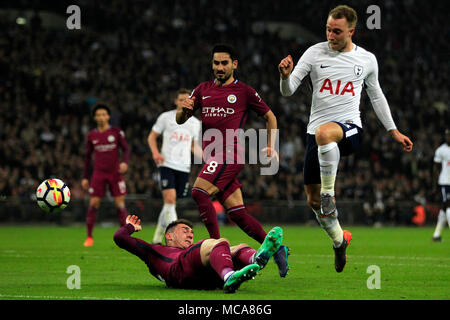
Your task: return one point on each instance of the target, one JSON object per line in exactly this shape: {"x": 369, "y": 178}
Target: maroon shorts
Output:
{"x": 223, "y": 176}
{"x": 99, "y": 180}
{"x": 188, "y": 272}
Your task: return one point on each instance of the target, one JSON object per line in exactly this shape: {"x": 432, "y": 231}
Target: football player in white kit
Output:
{"x": 442, "y": 166}
{"x": 338, "y": 69}
{"x": 174, "y": 161}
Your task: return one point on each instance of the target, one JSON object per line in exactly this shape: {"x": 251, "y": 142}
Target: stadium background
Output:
{"x": 134, "y": 55}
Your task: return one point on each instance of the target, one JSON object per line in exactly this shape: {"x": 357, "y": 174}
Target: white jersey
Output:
{"x": 442, "y": 156}
{"x": 177, "y": 140}
{"x": 337, "y": 80}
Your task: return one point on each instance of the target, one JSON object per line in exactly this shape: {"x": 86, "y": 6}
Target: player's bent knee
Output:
{"x": 94, "y": 202}
{"x": 223, "y": 240}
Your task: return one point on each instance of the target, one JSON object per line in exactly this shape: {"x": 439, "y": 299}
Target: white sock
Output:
{"x": 440, "y": 223}
{"x": 331, "y": 226}
{"x": 448, "y": 216}
{"x": 171, "y": 213}
{"x": 166, "y": 216}
{"x": 225, "y": 278}
{"x": 329, "y": 156}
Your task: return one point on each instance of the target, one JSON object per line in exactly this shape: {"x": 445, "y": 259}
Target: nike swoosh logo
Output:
{"x": 203, "y": 98}
{"x": 322, "y": 66}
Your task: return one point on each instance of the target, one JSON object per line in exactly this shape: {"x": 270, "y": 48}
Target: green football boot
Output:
{"x": 238, "y": 277}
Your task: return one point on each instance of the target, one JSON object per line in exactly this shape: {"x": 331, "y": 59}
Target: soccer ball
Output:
{"x": 53, "y": 195}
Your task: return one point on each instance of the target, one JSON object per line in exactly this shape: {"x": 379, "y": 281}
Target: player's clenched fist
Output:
{"x": 187, "y": 108}
{"x": 285, "y": 67}
{"x": 188, "y": 105}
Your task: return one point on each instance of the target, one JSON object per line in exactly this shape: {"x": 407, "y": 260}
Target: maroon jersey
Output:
{"x": 226, "y": 107}
{"x": 178, "y": 268}
{"x": 105, "y": 146}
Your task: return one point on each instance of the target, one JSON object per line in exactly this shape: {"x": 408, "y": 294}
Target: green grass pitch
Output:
{"x": 34, "y": 262}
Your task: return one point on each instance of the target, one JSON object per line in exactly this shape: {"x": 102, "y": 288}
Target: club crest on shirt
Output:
{"x": 231, "y": 98}
{"x": 111, "y": 138}
{"x": 358, "y": 70}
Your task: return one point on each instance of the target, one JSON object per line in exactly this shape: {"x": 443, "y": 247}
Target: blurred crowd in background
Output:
{"x": 134, "y": 55}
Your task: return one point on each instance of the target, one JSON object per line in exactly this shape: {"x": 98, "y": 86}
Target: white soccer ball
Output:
{"x": 53, "y": 195}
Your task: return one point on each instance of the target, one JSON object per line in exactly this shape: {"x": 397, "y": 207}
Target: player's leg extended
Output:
{"x": 122, "y": 213}
{"x": 91, "y": 217}
{"x": 167, "y": 214}
{"x": 118, "y": 189}
{"x": 201, "y": 193}
{"x": 217, "y": 254}
{"x": 242, "y": 255}
{"x": 327, "y": 137}
{"x": 439, "y": 225}
{"x": 330, "y": 223}
{"x": 444, "y": 214}
{"x": 236, "y": 211}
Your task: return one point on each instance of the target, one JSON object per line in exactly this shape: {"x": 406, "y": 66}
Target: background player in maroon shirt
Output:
{"x": 104, "y": 142}
{"x": 207, "y": 264}
{"x": 225, "y": 103}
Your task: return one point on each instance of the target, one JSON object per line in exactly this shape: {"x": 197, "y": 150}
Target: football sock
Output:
{"x": 243, "y": 257}
{"x": 207, "y": 211}
{"x": 90, "y": 220}
{"x": 166, "y": 216}
{"x": 440, "y": 224}
{"x": 329, "y": 161}
{"x": 171, "y": 213}
{"x": 448, "y": 215}
{"x": 246, "y": 222}
{"x": 331, "y": 226}
{"x": 122, "y": 215}
{"x": 220, "y": 259}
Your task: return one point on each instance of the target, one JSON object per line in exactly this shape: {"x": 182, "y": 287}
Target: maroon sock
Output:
{"x": 90, "y": 220}
{"x": 122, "y": 215}
{"x": 220, "y": 259}
{"x": 243, "y": 257}
{"x": 246, "y": 222}
{"x": 207, "y": 212}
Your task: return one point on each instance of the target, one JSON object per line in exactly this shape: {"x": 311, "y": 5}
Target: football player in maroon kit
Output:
{"x": 225, "y": 103}
{"x": 206, "y": 264}
{"x": 104, "y": 142}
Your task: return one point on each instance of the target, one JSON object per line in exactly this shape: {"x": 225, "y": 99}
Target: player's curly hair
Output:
{"x": 344, "y": 11}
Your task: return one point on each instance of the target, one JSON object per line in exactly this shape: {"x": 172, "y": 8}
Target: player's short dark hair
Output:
{"x": 101, "y": 106}
{"x": 182, "y": 91}
{"x": 344, "y": 11}
{"x": 177, "y": 222}
{"x": 223, "y": 47}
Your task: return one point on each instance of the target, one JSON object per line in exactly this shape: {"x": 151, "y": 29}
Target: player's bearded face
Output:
{"x": 338, "y": 34}
{"x": 223, "y": 67}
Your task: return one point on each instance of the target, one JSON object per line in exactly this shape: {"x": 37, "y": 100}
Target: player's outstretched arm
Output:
{"x": 402, "y": 139}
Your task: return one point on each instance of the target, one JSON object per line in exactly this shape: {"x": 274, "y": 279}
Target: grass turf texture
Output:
{"x": 34, "y": 260}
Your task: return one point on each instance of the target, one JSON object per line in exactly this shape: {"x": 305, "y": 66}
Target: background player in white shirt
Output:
{"x": 442, "y": 167}
{"x": 174, "y": 161}
{"x": 338, "y": 70}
